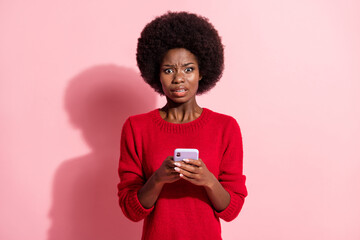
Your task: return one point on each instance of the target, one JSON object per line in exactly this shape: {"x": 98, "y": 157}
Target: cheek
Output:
{"x": 164, "y": 83}
{"x": 194, "y": 80}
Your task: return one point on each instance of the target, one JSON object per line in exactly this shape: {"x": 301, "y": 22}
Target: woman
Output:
{"x": 180, "y": 55}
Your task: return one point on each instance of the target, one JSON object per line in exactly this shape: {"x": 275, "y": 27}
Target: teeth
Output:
{"x": 181, "y": 90}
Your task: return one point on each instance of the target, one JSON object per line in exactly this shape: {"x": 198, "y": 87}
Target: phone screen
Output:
{"x": 183, "y": 153}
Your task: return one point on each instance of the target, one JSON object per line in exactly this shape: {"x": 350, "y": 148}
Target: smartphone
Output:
{"x": 183, "y": 153}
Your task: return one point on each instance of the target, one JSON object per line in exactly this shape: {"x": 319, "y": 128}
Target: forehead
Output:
{"x": 179, "y": 55}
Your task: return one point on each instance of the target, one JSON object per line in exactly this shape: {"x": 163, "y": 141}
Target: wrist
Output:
{"x": 156, "y": 179}
{"x": 211, "y": 183}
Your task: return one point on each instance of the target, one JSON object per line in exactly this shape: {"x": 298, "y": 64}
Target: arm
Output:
{"x": 217, "y": 194}
{"x": 226, "y": 193}
{"x": 196, "y": 172}
{"x": 231, "y": 172}
{"x": 137, "y": 195}
{"x": 150, "y": 192}
{"x": 131, "y": 176}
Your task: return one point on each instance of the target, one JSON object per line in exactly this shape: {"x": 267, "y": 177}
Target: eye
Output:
{"x": 168, "y": 71}
{"x": 189, "y": 69}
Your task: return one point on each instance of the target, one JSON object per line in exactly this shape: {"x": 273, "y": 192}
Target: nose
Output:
{"x": 178, "y": 77}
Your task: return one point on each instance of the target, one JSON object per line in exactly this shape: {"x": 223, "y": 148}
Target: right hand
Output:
{"x": 166, "y": 172}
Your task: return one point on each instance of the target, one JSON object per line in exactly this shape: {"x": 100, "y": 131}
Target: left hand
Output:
{"x": 195, "y": 171}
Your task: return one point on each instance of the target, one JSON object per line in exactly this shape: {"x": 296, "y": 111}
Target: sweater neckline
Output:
{"x": 181, "y": 127}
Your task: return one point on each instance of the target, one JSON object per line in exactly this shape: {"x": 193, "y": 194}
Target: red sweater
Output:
{"x": 183, "y": 210}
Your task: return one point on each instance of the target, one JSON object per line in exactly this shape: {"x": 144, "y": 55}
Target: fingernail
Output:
{"x": 181, "y": 175}
{"x": 186, "y": 160}
{"x": 177, "y": 164}
{"x": 177, "y": 169}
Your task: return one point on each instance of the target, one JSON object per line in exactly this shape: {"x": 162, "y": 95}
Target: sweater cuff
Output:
{"x": 138, "y": 209}
{"x": 233, "y": 209}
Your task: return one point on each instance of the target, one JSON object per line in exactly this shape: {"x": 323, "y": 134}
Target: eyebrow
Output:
{"x": 184, "y": 65}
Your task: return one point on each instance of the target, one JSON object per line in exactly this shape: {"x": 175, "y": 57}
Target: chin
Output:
{"x": 183, "y": 99}
{"x": 179, "y": 100}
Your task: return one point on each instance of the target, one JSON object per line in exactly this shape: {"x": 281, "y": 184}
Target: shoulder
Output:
{"x": 227, "y": 126}
{"x": 223, "y": 119}
{"x": 143, "y": 116}
{"x": 140, "y": 120}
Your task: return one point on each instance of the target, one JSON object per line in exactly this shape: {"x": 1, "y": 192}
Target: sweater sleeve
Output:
{"x": 231, "y": 172}
{"x": 131, "y": 176}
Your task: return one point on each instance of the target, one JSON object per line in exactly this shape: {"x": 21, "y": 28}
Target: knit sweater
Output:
{"x": 182, "y": 210}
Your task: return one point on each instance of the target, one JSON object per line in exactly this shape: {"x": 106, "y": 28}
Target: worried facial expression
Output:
{"x": 179, "y": 75}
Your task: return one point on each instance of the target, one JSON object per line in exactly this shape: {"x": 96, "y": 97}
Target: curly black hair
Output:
{"x": 180, "y": 30}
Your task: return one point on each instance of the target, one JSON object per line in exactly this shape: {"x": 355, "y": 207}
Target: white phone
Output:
{"x": 183, "y": 153}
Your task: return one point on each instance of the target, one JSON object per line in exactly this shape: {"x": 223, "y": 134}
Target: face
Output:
{"x": 179, "y": 75}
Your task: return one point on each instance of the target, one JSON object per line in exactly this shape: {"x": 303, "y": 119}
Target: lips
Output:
{"x": 179, "y": 91}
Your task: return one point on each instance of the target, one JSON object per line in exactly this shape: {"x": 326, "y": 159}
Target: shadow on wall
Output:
{"x": 85, "y": 203}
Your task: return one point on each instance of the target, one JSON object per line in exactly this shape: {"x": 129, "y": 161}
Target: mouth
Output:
{"x": 179, "y": 92}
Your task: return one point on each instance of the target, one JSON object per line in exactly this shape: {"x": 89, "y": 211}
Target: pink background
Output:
{"x": 68, "y": 80}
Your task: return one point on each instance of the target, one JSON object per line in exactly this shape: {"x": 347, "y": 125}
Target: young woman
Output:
{"x": 180, "y": 55}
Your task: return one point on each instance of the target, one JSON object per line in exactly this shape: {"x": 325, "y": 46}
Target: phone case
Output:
{"x": 183, "y": 153}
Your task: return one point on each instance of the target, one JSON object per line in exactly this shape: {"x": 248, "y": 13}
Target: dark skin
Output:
{"x": 179, "y": 77}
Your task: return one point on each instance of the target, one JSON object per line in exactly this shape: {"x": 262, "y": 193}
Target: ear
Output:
{"x": 200, "y": 77}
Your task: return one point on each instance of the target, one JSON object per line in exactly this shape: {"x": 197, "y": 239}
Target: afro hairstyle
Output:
{"x": 180, "y": 30}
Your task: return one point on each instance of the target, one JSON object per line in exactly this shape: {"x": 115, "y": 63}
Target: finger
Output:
{"x": 174, "y": 177}
{"x": 187, "y": 167}
{"x": 187, "y": 178}
{"x": 193, "y": 161}
{"x": 175, "y": 174}
{"x": 185, "y": 173}
{"x": 170, "y": 165}
{"x": 170, "y": 161}
{"x": 172, "y": 171}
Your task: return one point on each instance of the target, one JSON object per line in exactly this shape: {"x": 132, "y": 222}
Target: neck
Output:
{"x": 181, "y": 112}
